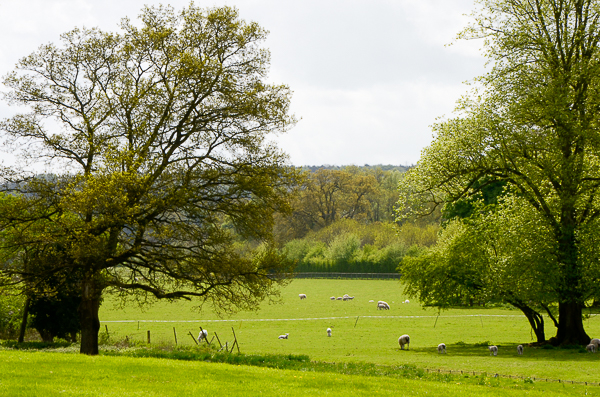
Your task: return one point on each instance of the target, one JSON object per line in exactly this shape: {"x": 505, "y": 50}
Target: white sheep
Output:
{"x": 203, "y": 334}
{"x": 406, "y": 301}
{"x": 371, "y": 301}
{"x": 591, "y": 348}
{"x": 302, "y": 296}
{"x": 520, "y": 350}
{"x": 328, "y": 331}
{"x": 441, "y": 348}
{"x": 332, "y": 298}
{"x": 284, "y": 336}
{"x": 382, "y": 305}
{"x": 404, "y": 340}
{"x": 596, "y": 342}
{"x": 493, "y": 350}
{"x": 339, "y": 298}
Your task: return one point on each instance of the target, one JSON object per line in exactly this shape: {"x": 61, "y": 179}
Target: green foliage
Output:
{"x": 529, "y": 126}
{"x": 11, "y": 314}
{"x": 349, "y": 246}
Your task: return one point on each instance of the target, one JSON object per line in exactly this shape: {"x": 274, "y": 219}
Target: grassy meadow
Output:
{"x": 59, "y": 374}
{"x": 361, "y": 333}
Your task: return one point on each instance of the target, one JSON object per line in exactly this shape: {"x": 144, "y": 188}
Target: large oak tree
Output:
{"x": 156, "y": 138}
{"x": 532, "y": 124}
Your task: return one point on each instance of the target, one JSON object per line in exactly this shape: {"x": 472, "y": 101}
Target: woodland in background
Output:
{"x": 343, "y": 221}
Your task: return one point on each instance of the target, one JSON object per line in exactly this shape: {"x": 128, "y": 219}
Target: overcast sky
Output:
{"x": 369, "y": 77}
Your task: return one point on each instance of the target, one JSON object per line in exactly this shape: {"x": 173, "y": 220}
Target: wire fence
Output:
{"x": 497, "y": 375}
{"x": 356, "y": 276}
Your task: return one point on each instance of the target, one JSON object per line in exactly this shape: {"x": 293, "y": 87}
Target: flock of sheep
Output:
{"x": 404, "y": 340}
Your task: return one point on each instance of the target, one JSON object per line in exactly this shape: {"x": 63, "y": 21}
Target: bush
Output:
{"x": 11, "y": 314}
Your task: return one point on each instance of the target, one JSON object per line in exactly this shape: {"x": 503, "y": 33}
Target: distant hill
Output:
{"x": 388, "y": 167}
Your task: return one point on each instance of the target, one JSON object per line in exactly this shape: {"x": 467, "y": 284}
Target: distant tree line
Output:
{"x": 343, "y": 220}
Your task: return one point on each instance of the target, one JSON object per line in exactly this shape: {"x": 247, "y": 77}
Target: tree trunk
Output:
{"x": 88, "y": 316}
{"x": 24, "y": 320}
{"x": 570, "y": 324}
{"x": 536, "y": 320}
{"x": 537, "y": 324}
{"x": 570, "y": 301}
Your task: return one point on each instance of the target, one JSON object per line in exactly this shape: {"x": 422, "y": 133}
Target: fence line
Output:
{"x": 357, "y": 276}
{"x": 497, "y": 375}
{"x": 305, "y": 319}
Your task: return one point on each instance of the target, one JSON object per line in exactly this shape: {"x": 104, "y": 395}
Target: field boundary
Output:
{"x": 349, "y": 276}
{"x": 307, "y": 318}
{"x": 497, "y": 375}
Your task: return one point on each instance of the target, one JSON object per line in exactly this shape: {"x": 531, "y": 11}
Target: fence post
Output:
{"x": 148, "y": 336}
{"x": 175, "y": 333}
{"x": 195, "y": 341}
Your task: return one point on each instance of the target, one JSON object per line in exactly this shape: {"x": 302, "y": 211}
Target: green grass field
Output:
{"x": 373, "y": 338}
{"x": 59, "y": 374}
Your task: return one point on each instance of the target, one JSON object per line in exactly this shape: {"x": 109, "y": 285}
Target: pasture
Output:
{"x": 361, "y": 333}
{"x": 60, "y": 374}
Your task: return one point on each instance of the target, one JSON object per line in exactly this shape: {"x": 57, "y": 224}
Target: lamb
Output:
{"x": 441, "y": 348}
{"x": 284, "y": 336}
{"x": 520, "y": 350}
{"x": 302, "y": 296}
{"x": 404, "y": 340}
{"x": 493, "y": 350}
{"x": 203, "y": 334}
{"x": 328, "y": 331}
{"x": 371, "y": 301}
{"x": 596, "y": 342}
{"x": 591, "y": 348}
{"x": 332, "y": 298}
{"x": 339, "y": 298}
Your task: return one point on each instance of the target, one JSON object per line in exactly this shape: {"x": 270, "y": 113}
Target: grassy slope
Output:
{"x": 373, "y": 339}
{"x": 49, "y": 374}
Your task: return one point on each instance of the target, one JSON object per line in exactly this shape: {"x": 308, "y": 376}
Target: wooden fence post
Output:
{"x": 175, "y": 333}
{"x": 195, "y": 341}
{"x": 220, "y": 344}
{"x": 148, "y": 336}
{"x": 235, "y": 342}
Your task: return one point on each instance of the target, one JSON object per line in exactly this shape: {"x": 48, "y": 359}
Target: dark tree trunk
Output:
{"x": 536, "y": 320}
{"x": 537, "y": 324}
{"x": 570, "y": 324}
{"x": 88, "y": 316}
{"x": 570, "y": 301}
{"x": 24, "y": 320}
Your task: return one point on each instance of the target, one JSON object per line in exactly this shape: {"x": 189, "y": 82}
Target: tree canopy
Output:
{"x": 156, "y": 138}
{"x": 531, "y": 123}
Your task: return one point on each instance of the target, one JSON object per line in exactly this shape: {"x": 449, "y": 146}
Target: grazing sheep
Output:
{"x": 406, "y": 301}
{"x": 302, "y": 296}
{"x": 595, "y": 342}
{"x": 493, "y": 350}
{"x": 203, "y": 334}
{"x": 442, "y": 348}
{"x": 371, "y": 301}
{"x": 284, "y": 336}
{"x": 339, "y": 298}
{"x": 332, "y": 298}
{"x": 520, "y": 350}
{"x": 382, "y": 305}
{"x": 591, "y": 348}
{"x": 328, "y": 331}
{"x": 404, "y": 340}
